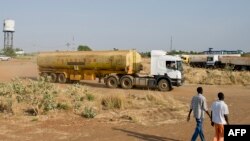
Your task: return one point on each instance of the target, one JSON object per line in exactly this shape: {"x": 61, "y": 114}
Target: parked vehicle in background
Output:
{"x": 4, "y": 58}
{"x": 185, "y": 58}
{"x": 234, "y": 61}
{"x": 195, "y": 60}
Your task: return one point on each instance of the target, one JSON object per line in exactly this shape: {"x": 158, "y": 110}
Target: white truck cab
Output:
{"x": 167, "y": 65}
{"x": 211, "y": 60}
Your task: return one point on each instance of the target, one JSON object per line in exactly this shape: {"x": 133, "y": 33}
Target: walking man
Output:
{"x": 219, "y": 114}
{"x": 199, "y": 106}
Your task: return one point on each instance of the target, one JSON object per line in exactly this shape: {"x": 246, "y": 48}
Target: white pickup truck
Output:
{"x": 4, "y": 58}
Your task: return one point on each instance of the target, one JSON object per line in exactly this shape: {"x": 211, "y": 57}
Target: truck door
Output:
{"x": 171, "y": 69}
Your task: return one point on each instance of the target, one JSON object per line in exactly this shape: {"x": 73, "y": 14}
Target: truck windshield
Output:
{"x": 179, "y": 65}
{"x": 209, "y": 58}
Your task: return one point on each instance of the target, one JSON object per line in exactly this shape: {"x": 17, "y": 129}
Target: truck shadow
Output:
{"x": 31, "y": 78}
{"x": 145, "y": 137}
{"x": 94, "y": 84}
{"x": 102, "y": 85}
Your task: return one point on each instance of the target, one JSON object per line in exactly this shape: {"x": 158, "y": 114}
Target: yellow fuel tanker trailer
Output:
{"x": 119, "y": 68}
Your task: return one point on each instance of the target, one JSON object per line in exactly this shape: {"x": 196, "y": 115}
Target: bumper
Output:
{"x": 177, "y": 82}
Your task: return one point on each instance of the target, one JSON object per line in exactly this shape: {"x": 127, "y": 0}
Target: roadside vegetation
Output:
{"x": 25, "y": 97}
{"x": 216, "y": 76}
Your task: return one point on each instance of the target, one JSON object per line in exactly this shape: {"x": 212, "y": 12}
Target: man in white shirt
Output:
{"x": 219, "y": 114}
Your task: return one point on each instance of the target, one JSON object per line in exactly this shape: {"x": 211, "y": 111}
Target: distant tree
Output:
{"x": 84, "y": 48}
{"x": 18, "y": 49}
{"x": 175, "y": 52}
{"x": 194, "y": 52}
{"x": 9, "y": 52}
{"x": 145, "y": 54}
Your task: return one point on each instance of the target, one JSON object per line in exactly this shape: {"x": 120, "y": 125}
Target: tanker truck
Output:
{"x": 118, "y": 68}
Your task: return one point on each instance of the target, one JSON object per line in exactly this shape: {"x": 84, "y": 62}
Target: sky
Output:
{"x": 144, "y": 25}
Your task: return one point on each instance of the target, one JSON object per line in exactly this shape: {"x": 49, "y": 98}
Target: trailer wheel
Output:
{"x": 112, "y": 82}
{"x": 126, "y": 82}
{"x": 163, "y": 85}
{"x": 53, "y": 77}
{"x": 44, "y": 76}
{"x": 62, "y": 78}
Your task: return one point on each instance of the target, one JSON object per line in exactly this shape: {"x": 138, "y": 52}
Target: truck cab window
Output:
{"x": 210, "y": 58}
{"x": 170, "y": 64}
{"x": 179, "y": 66}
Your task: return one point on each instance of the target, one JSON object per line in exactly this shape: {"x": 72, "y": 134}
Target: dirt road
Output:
{"x": 68, "y": 127}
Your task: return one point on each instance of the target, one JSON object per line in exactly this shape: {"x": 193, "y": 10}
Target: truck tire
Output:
{"x": 127, "y": 82}
{"x": 62, "y": 78}
{"x": 53, "y": 77}
{"x": 44, "y": 76}
{"x": 112, "y": 82}
{"x": 163, "y": 85}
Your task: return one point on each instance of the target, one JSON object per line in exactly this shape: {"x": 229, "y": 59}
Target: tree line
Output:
{"x": 12, "y": 52}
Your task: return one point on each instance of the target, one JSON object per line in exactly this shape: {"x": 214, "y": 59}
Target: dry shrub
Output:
{"x": 6, "y": 90}
{"x": 42, "y": 97}
{"x": 76, "y": 94}
{"x": 39, "y": 95}
{"x": 155, "y": 99}
{"x": 6, "y": 105}
{"x": 216, "y": 76}
{"x": 113, "y": 102}
{"x": 154, "y": 108}
{"x": 63, "y": 106}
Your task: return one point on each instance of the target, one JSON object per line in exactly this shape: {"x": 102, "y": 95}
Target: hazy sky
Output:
{"x": 43, "y": 25}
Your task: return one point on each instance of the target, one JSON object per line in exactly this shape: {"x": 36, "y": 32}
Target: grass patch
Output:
{"x": 155, "y": 99}
{"x": 6, "y": 105}
{"x": 90, "y": 97}
{"x": 112, "y": 102}
{"x": 35, "y": 119}
{"x": 63, "y": 106}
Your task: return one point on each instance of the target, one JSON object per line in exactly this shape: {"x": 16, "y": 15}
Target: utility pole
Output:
{"x": 68, "y": 45}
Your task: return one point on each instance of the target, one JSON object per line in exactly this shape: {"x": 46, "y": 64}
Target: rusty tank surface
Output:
{"x": 79, "y": 65}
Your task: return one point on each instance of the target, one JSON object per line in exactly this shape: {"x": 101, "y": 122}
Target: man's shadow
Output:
{"x": 145, "y": 137}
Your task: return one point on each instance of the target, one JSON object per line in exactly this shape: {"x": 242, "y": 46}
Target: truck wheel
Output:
{"x": 163, "y": 85}
{"x": 62, "y": 78}
{"x": 44, "y": 76}
{"x": 112, "y": 82}
{"x": 126, "y": 82}
{"x": 53, "y": 77}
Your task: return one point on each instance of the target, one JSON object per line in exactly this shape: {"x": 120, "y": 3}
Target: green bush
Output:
{"x": 88, "y": 112}
{"x": 5, "y": 89}
{"x": 90, "y": 97}
{"x": 48, "y": 102}
{"x": 9, "y": 52}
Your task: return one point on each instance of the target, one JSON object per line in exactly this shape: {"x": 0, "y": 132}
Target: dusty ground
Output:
{"x": 66, "y": 126}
